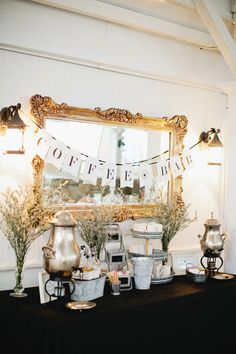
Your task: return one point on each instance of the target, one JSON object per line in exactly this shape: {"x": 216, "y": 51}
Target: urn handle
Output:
{"x": 49, "y": 252}
{"x": 223, "y": 236}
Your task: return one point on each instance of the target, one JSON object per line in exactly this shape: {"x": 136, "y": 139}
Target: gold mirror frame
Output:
{"x": 44, "y": 106}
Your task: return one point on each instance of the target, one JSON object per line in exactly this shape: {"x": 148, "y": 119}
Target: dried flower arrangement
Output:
{"x": 25, "y": 213}
{"x": 93, "y": 231}
{"x": 174, "y": 217}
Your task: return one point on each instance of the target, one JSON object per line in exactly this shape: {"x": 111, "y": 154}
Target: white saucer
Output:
{"x": 80, "y": 305}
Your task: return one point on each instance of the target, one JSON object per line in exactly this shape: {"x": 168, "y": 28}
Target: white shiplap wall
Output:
{"x": 89, "y": 63}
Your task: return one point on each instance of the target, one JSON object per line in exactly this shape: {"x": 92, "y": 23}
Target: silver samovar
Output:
{"x": 62, "y": 253}
{"x": 212, "y": 244}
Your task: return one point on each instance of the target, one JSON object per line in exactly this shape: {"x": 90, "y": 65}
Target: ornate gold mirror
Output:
{"x": 113, "y": 135}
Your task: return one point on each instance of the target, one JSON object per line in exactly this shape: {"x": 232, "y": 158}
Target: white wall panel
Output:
{"x": 2, "y": 69}
{"x": 31, "y": 77}
{"x": 91, "y": 85}
{"x": 11, "y": 78}
{"x": 148, "y": 53}
{"x": 230, "y": 178}
{"x": 29, "y": 25}
{"x": 50, "y": 31}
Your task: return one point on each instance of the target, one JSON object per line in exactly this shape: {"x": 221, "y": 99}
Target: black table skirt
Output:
{"x": 179, "y": 317}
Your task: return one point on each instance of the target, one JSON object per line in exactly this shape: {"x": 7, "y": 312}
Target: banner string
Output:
{"x": 136, "y": 163}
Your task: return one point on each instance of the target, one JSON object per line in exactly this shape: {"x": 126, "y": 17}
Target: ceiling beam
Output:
{"x": 218, "y": 31}
{"x": 132, "y": 19}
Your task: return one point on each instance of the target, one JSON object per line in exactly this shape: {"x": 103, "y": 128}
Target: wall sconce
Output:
{"x": 214, "y": 146}
{"x": 12, "y": 130}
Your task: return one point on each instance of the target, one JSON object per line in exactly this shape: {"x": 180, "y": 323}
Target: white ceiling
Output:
{"x": 178, "y": 11}
{"x": 197, "y": 22}
{"x": 203, "y": 17}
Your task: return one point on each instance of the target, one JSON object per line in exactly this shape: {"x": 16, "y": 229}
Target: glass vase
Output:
{"x": 19, "y": 272}
{"x": 165, "y": 249}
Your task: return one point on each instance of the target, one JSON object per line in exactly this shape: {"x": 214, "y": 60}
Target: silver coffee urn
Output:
{"x": 61, "y": 255}
{"x": 212, "y": 244}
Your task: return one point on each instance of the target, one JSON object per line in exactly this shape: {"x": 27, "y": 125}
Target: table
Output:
{"x": 168, "y": 318}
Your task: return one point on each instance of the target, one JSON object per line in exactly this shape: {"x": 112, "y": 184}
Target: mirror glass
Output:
{"x": 108, "y": 143}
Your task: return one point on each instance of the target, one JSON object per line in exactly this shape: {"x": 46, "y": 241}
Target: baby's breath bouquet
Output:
{"x": 94, "y": 229}
{"x": 25, "y": 213}
{"x": 174, "y": 217}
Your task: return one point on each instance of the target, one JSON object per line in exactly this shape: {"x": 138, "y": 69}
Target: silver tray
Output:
{"x": 156, "y": 254}
{"x": 223, "y": 276}
{"x": 163, "y": 280}
{"x": 147, "y": 235}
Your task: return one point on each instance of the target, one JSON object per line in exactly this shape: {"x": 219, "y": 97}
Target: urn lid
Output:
{"x": 212, "y": 221}
{"x": 63, "y": 218}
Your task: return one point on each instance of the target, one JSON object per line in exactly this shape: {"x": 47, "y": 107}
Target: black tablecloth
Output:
{"x": 179, "y": 317}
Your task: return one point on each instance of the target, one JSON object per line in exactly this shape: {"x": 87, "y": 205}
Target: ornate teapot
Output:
{"x": 62, "y": 253}
{"x": 212, "y": 242}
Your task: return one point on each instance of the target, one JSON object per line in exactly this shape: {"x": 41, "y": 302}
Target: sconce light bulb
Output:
{"x": 3, "y": 130}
